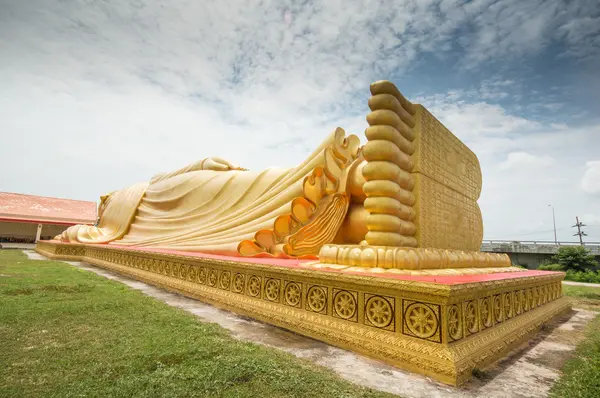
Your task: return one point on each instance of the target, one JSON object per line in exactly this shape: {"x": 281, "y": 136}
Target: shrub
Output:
{"x": 575, "y": 258}
{"x": 583, "y": 276}
{"x": 551, "y": 267}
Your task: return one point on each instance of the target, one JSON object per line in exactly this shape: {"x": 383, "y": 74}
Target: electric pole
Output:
{"x": 554, "y": 222}
{"x": 579, "y": 233}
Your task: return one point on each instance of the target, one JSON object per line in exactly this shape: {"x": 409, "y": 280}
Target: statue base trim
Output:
{"x": 409, "y": 257}
{"x": 442, "y": 327}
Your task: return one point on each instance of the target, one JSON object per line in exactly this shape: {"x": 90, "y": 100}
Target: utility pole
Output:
{"x": 554, "y": 222}
{"x": 579, "y": 233}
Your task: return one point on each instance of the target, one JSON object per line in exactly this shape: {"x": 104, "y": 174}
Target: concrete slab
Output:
{"x": 529, "y": 371}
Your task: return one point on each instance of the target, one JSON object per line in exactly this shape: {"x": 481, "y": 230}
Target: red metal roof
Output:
{"x": 42, "y": 209}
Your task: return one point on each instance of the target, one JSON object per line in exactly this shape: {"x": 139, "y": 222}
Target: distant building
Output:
{"x": 29, "y": 218}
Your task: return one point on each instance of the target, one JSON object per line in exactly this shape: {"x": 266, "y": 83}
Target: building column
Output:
{"x": 39, "y": 233}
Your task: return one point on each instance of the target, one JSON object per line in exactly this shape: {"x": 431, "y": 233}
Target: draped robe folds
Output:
{"x": 204, "y": 210}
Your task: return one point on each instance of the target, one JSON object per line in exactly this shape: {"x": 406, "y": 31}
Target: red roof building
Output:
{"x": 27, "y": 218}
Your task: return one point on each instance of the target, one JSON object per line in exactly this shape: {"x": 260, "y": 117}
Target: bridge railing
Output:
{"x": 542, "y": 247}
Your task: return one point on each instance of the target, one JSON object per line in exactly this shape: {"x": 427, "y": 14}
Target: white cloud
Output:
{"x": 523, "y": 160}
{"x": 590, "y": 183}
{"x": 95, "y": 96}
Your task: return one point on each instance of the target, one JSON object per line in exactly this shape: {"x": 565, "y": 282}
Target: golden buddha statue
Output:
{"x": 395, "y": 225}
{"x": 413, "y": 185}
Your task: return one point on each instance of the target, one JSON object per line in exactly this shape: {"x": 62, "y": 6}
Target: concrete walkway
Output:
{"x": 571, "y": 283}
{"x": 9, "y": 245}
{"x": 527, "y": 372}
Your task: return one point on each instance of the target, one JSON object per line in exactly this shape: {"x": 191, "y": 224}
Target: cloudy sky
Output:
{"x": 98, "y": 95}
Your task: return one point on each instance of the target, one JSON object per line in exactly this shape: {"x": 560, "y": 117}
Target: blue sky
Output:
{"x": 97, "y": 96}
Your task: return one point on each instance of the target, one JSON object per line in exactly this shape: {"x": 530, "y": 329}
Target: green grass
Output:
{"x": 585, "y": 297}
{"x": 581, "y": 374}
{"x": 66, "y": 332}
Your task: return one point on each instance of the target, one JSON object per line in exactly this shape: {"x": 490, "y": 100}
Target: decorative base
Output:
{"x": 442, "y": 327}
{"x": 409, "y": 257}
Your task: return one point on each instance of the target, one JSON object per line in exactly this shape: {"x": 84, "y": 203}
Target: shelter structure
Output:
{"x": 30, "y": 218}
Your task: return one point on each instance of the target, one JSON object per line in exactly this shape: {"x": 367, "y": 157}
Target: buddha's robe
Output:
{"x": 215, "y": 211}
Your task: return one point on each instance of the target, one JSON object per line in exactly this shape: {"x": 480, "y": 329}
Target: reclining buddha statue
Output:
{"x": 412, "y": 185}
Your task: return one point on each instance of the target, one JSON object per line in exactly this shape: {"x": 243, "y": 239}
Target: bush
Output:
{"x": 575, "y": 258}
{"x": 583, "y": 276}
{"x": 551, "y": 267}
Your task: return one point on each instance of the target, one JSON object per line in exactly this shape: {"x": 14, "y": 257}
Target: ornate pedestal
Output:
{"x": 441, "y": 326}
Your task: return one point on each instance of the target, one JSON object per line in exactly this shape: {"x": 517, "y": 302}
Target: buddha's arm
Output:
{"x": 212, "y": 163}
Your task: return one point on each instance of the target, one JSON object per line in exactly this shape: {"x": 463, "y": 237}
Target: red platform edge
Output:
{"x": 297, "y": 264}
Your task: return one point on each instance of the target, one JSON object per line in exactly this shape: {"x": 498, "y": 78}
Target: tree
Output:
{"x": 575, "y": 258}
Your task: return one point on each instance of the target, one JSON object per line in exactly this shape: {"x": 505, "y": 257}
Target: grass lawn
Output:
{"x": 581, "y": 374}
{"x": 66, "y": 332}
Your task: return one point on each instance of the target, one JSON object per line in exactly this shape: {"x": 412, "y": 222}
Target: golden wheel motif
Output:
{"x": 191, "y": 276}
{"x": 471, "y": 317}
{"x": 498, "y": 313}
{"x": 421, "y": 320}
{"x": 212, "y": 277}
{"x": 379, "y": 312}
{"x": 518, "y": 303}
{"x": 508, "y": 309}
{"x": 454, "y": 323}
{"x": 175, "y": 270}
{"x": 344, "y": 304}
{"x": 485, "y": 313}
{"x": 225, "y": 280}
{"x": 272, "y": 289}
{"x": 254, "y": 286}
{"x": 183, "y": 271}
{"x": 167, "y": 268}
{"x": 292, "y": 294}
{"x": 316, "y": 298}
{"x": 202, "y": 276}
{"x": 238, "y": 283}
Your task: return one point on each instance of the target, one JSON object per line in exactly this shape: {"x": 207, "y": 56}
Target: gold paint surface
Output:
{"x": 441, "y": 331}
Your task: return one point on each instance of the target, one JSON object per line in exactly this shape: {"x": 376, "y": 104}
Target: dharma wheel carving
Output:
{"x": 254, "y": 286}
{"x": 238, "y": 283}
{"x": 379, "y": 312}
{"x": 272, "y": 290}
{"x": 317, "y": 299}
{"x": 344, "y": 304}
{"x": 421, "y": 320}
{"x": 293, "y": 293}
{"x": 454, "y": 323}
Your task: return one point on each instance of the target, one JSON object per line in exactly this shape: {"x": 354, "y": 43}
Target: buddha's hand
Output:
{"x": 219, "y": 164}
